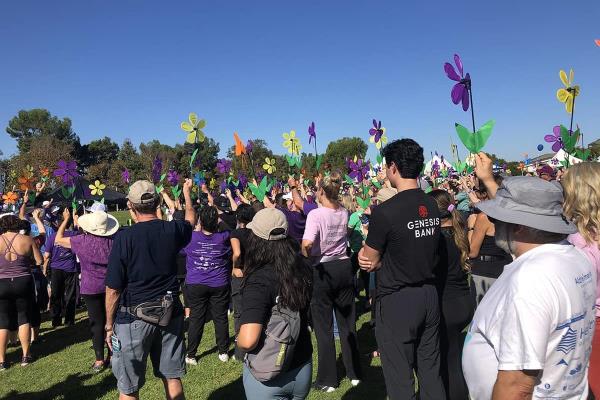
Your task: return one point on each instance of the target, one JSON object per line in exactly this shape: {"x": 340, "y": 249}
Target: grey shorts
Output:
{"x": 133, "y": 342}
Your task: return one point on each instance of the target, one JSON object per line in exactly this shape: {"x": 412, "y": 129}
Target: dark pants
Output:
{"x": 236, "y": 299}
{"x": 407, "y": 330}
{"x": 200, "y": 298}
{"x": 64, "y": 293}
{"x": 457, "y": 313}
{"x": 333, "y": 291}
{"x": 97, "y": 320}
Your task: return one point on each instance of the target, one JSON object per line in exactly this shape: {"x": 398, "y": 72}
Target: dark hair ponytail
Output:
{"x": 294, "y": 276}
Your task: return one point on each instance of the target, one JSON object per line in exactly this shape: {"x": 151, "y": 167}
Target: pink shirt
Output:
{"x": 328, "y": 230}
{"x": 593, "y": 253}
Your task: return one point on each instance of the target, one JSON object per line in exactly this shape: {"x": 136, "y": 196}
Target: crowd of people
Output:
{"x": 480, "y": 285}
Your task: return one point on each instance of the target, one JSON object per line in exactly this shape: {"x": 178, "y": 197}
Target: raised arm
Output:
{"x": 190, "y": 212}
{"x": 232, "y": 202}
{"x": 296, "y": 198}
{"x": 485, "y": 173}
{"x": 60, "y": 239}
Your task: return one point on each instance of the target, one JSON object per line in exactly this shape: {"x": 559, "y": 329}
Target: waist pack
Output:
{"x": 276, "y": 347}
{"x": 156, "y": 312}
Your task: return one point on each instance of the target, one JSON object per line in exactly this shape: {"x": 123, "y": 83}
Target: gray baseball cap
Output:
{"x": 269, "y": 224}
{"x": 529, "y": 201}
{"x": 139, "y": 189}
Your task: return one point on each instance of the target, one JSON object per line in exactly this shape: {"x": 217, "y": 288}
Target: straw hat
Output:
{"x": 99, "y": 223}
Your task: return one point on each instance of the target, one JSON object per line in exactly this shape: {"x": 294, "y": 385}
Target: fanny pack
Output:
{"x": 157, "y": 312}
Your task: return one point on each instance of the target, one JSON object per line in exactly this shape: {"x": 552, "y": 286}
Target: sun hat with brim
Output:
{"x": 385, "y": 194}
{"x": 99, "y": 223}
{"x": 531, "y": 202}
{"x": 269, "y": 224}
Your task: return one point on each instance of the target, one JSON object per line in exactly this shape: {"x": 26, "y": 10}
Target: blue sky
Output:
{"x": 134, "y": 69}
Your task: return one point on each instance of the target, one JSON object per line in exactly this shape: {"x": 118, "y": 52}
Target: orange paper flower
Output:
{"x": 10, "y": 198}
{"x": 25, "y": 183}
{"x": 44, "y": 171}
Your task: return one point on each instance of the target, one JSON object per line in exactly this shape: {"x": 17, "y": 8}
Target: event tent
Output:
{"x": 431, "y": 162}
{"x": 82, "y": 192}
{"x": 561, "y": 155}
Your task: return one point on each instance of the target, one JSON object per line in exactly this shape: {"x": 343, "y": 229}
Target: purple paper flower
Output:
{"x": 223, "y": 186}
{"x": 125, "y": 176}
{"x": 224, "y": 166}
{"x": 435, "y": 167}
{"x": 249, "y": 146}
{"x": 460, "y": 91}
{"x": 555, "y": 161}
{"x": 243, "y": 182}
{"x": 172, "y": 177}
{"x": 67, "y": 171}
{"x": 376, "y": 131}
{"x": 311, "y": 133}
{"x": 358, "y": 169}
{"x": 555, "y": 139}
{"x": 156, "y": 169}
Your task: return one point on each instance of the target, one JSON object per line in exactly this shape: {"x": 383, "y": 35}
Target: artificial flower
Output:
{"x": 460, "y": 91}
{"x": 194, "y": 128}
{"x": 10, "y": 198}
{"x": 96, "y": 188}
{"x": 291, "y": 142}
{"x": 555, "y": 139}
{"x": 67, "y": 171}
{"x": 269, "y": 165}
{"x": 568, "y": 93}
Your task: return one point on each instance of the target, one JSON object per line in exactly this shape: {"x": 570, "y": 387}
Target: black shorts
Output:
{"x": 16, "y": 301}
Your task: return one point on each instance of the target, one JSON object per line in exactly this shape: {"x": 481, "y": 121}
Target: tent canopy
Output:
{"x": 435, "y": 158}
{"x": 82, "y": 192}
{"x": 561, "y": 155}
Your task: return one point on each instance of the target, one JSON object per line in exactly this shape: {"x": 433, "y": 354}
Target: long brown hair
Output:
{"x": 447, "y": 210}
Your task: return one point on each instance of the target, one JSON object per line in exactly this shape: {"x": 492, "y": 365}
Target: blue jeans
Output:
{"x": 291, "y": 385}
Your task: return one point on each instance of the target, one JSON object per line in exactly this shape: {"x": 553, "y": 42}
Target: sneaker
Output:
{"x": 355, "y": 382}
{"x": 26, "y": 360}
{"x": 323, "y": 388}
{"x": 3, "y": 365}
{"x": 224, "y": 357}
{"x": 191, "y": 360}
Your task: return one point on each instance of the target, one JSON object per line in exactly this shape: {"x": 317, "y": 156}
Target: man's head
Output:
{"x": 404, "y": 159}
{"x": 222, "y": 203}
{"x": 142, "y": 198}
{"x": 527, "y": 212}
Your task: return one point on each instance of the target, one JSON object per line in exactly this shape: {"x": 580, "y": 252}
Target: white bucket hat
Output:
{"x": 99, "y": 223}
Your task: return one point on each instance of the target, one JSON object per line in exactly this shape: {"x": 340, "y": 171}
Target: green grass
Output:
{"x": 121, "y": 216}
{"x": 64, "y": 357}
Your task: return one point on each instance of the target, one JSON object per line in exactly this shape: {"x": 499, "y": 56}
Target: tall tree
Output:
{"x": 131, "y": 159}
{"x": 260, "y": 151}
{"x": 29, "y": 124}
{"x": 99, "y": 151}
{"x": 340, "y": 150}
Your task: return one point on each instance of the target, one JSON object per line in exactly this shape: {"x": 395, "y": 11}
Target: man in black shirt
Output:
{"x": 402, "y": 246}
{"x": 142, "y": 268}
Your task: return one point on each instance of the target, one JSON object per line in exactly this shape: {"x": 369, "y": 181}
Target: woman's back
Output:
{"x": 15, "y": 255}
{"x": 208, "y": 259}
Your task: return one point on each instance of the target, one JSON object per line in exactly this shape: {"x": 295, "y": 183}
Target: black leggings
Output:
{"x": 333, "y": 290}
{"x": 456, "y": 315}
{"x": 16, "y": 301}
{"x": 97, "y": 321}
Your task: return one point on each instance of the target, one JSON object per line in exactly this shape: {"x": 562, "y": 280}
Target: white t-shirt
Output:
{"x": 538, "y": 315}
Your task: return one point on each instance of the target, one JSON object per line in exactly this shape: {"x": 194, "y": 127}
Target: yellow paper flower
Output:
{"x": 568, "y": 93}
{"x": 193, "y": 127}
{"x": 213, "y": 183}
{"x": 292, "y": 143}
{"x": 269, "y": 165}
{"x": 96, "y": 188}
{"x": 10, "y": 198}
{"x": 382, "y": 140}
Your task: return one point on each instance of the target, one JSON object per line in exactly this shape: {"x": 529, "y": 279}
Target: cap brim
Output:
{"x": 547, "y": 223}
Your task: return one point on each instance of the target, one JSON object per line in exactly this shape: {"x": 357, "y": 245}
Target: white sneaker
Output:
{"x": 354, "y": 382}
{"x": 191, "y": 361}
{"x": 224, "y": 357}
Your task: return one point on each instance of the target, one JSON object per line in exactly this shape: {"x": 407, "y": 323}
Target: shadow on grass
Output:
{"x": 70, "y": 388}
{"x": 53, "y": 341}
{"x": 372, "y": 386}
{"x": 233, "y": 391}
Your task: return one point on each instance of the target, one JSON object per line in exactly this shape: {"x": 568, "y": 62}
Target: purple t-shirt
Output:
{"x": 61, "y": 258}
{"x": 93, "y": 252}
{"x": 208, "y": 259}
{"x": 297, "y": 220}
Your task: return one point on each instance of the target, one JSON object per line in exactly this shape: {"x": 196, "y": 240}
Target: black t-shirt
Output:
{"x": 452, "y": 280}
{"x": 142, "y": 262}
{"x": 241, "y": 234}
{"x": 258, "y": 298}
{"x": 228, "y": 221}
{"x": 405, "y": 230}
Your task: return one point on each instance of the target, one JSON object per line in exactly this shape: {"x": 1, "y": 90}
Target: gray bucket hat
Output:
{"x": 529, "y": 201}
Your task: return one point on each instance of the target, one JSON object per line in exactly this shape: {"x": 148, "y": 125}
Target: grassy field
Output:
{"x": 64, "y": 357}
{"x": 121, "y": 216}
